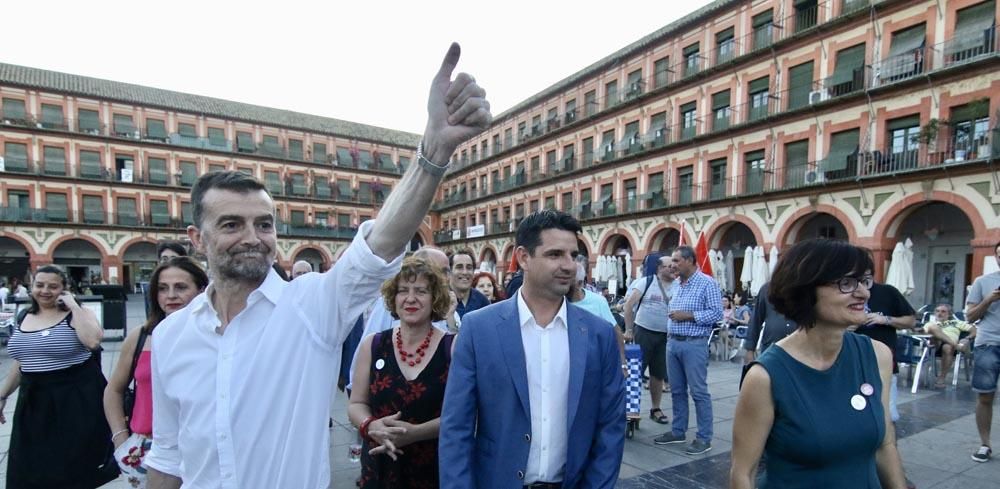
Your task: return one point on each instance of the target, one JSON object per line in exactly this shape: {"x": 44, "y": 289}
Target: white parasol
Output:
{"x": 760, "y": 274}
{"x": 746, "y": 275}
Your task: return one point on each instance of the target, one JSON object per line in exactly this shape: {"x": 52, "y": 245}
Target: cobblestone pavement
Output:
{"x": 937, "y": 436}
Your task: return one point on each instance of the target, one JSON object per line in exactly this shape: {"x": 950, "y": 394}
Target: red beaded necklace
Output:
{"x": 413, "y": 358}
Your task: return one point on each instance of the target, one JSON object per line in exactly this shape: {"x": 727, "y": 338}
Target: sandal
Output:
{"x": 658, "y": 418}
{"x": 940, "y": 384}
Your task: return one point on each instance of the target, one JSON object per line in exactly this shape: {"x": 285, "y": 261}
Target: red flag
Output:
{"x": 701, "y": 255}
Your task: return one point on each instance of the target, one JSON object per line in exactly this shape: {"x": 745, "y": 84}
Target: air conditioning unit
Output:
{"x": 814, "y": 177}
{"x": 817, "y": 96}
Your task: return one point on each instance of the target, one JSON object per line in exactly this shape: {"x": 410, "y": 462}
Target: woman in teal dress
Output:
{"x": 817, "y": 403}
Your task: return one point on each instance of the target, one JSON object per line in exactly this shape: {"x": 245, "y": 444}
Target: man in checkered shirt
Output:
{"x": 695, "y": 308}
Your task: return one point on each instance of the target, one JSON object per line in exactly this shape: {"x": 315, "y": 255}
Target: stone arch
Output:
{"x": 793, "y": 225}
{"x": 316, "y": 256}
{"x": 665, "y": 236}
{"x": 138, "y": 258}
{"x": 420, "y": 238}
{"x": 894, "y": 216}
{"x": 583, "y": 248}
{"x": 15, "y": 257}
{"x": 614, "y": 240}
{"x": 725, "y": 225}
{"x": 82, "y": 237}
{"x": 488, "y": 253}
{"x": 943, "y": 236}
{"x": 81, "y": 256}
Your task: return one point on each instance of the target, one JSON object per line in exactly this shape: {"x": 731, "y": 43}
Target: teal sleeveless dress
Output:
{"x": 823, "y": 436}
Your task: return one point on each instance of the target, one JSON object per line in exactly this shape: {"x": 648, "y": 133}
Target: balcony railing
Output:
{"x": 134, "y": 133}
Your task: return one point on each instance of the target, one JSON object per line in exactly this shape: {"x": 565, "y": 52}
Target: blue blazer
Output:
{"x": 485, "y": 423}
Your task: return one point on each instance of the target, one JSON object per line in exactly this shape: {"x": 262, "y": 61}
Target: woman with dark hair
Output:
{"x": 174, "y": 284}
{"x": 399, "y": 380}
{"x": 59, "y": 436}
{"x": 486, "y": 283}
{"x": 818, "y": 403}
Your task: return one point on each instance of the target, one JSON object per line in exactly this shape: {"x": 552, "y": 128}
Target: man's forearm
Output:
{"x": 158, "y": 480}
{"x": 406, "y": 207}
{"x": 976, "y": 312}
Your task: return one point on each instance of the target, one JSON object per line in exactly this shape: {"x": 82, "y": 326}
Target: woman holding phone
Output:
{"x": 59, "y": 436}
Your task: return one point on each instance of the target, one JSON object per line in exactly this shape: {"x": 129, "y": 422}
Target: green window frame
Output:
{"x": 187, "y": 130}
{"x": 159, "y": 213}
{"x": 319, "y": 153}
{"x": 90, "y": 164}
{"x": 299, "y": 185}
{"x": 842, "y": 145}
{"x": 88, "y": 121}
{"x": 13, "y": 109}
{"x": 295, "y": 149}
{"x": 123, "y": 125}
{"x": 52, "y": 116}
{"x": 321, "y": 187}
{"x": 156, "y": 129}
{"x": 245, "y": 142}
{"x": 187, "y": 214}
{"x": 157, "y": 171}
{"x": 189, "y": 173}
{"x": 54, "y": 158}
{"x": 56, "y": 207}
{"x": 15, "y": 156}
{"x": 217, "y": 136}
{"x": 800, "y": 83}
{"x": 272, "y": 180}
{"x": 93, "y": 209}
{"x": 128, "y": 214}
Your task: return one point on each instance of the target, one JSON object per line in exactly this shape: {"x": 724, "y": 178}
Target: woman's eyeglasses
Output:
{"x": 848, "y": 285}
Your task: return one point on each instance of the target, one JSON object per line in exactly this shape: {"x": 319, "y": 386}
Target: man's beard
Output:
{"x": 230, "y": 267}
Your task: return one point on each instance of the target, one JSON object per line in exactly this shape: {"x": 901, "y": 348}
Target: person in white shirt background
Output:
{"x": 226, "y": 416}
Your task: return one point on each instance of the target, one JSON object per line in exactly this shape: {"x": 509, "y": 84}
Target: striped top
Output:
{"x": 53, "y": 348}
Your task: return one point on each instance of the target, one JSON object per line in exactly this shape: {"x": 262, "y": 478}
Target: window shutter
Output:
{"x": 720, "y": 100}
{"x": 759, "y": 85}
{"x": 842, "y": 145}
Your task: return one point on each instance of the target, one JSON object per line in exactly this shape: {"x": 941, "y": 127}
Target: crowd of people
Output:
{"x": 456, "y": 379}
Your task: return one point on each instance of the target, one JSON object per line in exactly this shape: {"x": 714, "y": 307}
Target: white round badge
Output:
{"x": 379, "y": 364}
{"x": 858, "y": 402}
{"x": 867, "y": 389}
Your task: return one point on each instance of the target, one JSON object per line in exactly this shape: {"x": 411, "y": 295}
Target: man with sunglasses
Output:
{"x": 888, "y": 312}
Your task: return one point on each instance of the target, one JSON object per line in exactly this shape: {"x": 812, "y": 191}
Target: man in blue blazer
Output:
{"x": 530, "y": 373}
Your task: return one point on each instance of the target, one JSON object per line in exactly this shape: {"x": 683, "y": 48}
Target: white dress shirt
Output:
{"x": 546, "y": 354}
{"x": 249, "y": 408}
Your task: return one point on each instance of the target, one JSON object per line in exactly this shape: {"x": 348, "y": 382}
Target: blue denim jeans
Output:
{"x": 687, "y": 368}
{"x": 985, "y": 368}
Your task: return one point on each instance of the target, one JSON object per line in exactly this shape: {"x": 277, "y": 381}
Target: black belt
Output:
{"x": 544, "y": 485}
{"x": 679, "y": 337}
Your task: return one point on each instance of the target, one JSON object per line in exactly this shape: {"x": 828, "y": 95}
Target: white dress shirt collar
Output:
{"x": 524, "y": 314}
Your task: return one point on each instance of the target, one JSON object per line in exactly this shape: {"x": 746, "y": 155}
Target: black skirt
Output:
{"x": 60, "y": 437}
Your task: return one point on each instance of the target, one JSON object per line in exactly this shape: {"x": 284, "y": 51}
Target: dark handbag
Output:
{"x": 129, "y": 399}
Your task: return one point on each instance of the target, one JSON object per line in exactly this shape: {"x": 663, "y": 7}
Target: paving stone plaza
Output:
{"x": 937, "y": 434}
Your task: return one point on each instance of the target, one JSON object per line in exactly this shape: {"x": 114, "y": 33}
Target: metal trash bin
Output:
{"x": 113, "y": 309}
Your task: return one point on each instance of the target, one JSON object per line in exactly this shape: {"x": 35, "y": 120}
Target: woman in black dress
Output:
{"x": 60, "y": 438}
{"x": 399, "y": 383}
